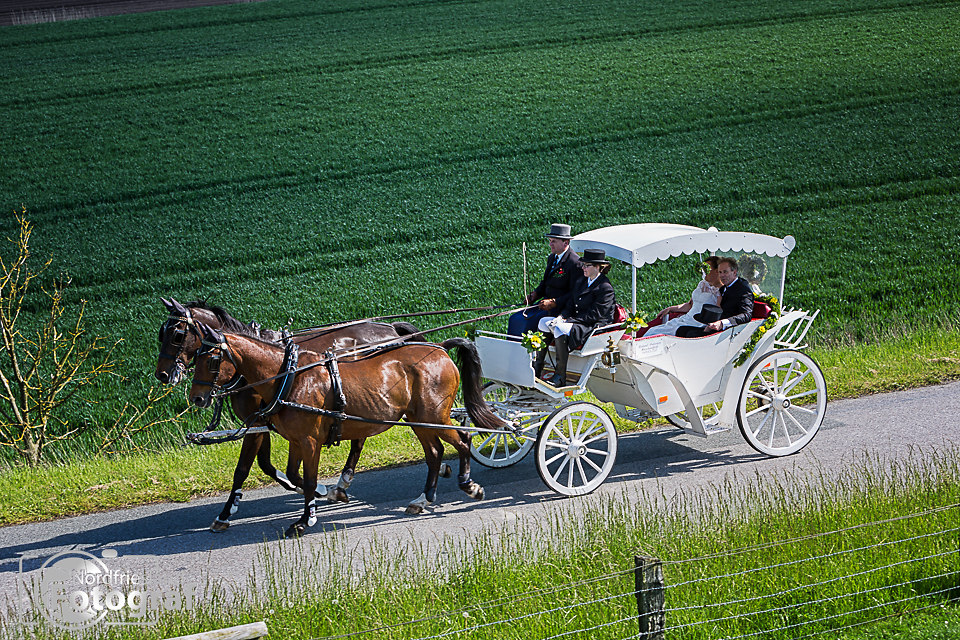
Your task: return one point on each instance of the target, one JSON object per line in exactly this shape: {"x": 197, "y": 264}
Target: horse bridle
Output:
{"x": 214, "y": 351}
{"x": 178, "y": 338}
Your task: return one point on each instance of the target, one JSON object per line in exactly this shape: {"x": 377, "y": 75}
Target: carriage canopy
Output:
{"x": 646, "y": 243}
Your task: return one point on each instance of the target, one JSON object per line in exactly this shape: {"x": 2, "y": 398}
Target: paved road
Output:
{"x": 170, "y": 542}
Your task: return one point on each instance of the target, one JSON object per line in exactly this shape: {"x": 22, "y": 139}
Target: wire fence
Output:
{"x": 801, "y": 587}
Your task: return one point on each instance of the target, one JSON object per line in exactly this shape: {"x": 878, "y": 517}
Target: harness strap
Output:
{"x": 510, "y": 428}
{"x": 339, "y": 400}
{"x": 287, "y": 376}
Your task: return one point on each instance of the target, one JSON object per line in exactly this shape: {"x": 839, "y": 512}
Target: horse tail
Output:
{"x": 407, "y": 329}
{"x": 468, "y": 359}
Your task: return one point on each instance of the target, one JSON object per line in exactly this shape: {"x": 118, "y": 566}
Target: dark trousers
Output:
{"x": 518, "y": 324}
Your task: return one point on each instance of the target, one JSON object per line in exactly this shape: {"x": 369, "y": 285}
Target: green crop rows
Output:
{"x": 320, "y": 163}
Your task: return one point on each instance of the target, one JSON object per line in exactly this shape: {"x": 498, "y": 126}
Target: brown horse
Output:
{"x": 179, "y": 342}
{"x": 417, "y": 382}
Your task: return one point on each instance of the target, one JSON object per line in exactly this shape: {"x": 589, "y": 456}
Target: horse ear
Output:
{"x": 205, "y": 331}
{"x": 179, "y": 308}
{"x": 167, "y": 304}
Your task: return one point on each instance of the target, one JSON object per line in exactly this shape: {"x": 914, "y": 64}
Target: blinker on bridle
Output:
{"x": 178, "y": 338}
{"x": 214, "y": 352}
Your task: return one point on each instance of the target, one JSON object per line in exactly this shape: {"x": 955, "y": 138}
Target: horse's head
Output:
{"x": 179, "y": 341}
{"x": 214, "y": 365}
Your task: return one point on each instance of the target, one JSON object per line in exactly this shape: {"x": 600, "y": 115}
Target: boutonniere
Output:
{"x": 558, "y": 272}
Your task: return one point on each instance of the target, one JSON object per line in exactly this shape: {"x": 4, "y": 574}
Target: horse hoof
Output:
{"x": 339, "y": 495}
{"x": 295, "y": 530}
{"x": 413, "y": 509}
{"x": 445, "y": 470}
{"x": 298, "y": 490}
{"x": 219, "y": 525}
{"x": 478, "y": 494}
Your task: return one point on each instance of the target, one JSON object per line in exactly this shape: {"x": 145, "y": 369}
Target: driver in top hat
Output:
{"x": 561, "y": 277}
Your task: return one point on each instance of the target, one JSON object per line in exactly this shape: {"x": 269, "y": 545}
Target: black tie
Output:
{"x": 723, "y": 289}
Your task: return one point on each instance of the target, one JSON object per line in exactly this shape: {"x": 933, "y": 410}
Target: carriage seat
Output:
{"x": 761, "y": 310}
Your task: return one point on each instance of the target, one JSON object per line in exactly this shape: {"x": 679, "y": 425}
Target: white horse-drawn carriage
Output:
{"x": 754, "y": 375}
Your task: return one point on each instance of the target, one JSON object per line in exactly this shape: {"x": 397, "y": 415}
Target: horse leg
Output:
{"x": 339, "y": 492}
{"x": 248, "y": 451}
{"x": 293, "y": 470}
{"x": 433, "y": 454}
{"x": 310, "y": 451}
{"x": 266, "y": 465}
{"x": 461, "y": 442}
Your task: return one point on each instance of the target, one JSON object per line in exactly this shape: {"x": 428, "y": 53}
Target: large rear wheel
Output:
{"x": 782, "y": 403}
{"x": 576, "y": 448}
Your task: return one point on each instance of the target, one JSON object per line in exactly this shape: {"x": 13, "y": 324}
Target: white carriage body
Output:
{"x": 659, "y": 375}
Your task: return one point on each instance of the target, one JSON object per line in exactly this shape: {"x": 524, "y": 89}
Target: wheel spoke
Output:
{"x": 770, "y": 387}
{"x": 483, "y": 444}
{"x": 793, "y": 383}
{"x": 506, "y": 446}
{"x": 550, "y": 461}
{"x": 583, "y": 474}
{"x": 773, "y": 430}
{"x": 786, "y": 429}
{"x": 765, "y": 407}
{"x": 760, "y": 426}
{"x": 804, "y": 409}
{"x": 794, "y": 420}
{"x": 570, "y": 470}
{"x": 563, "y": 465}
{"x": 597, "y": 426}
{"x": 591, "y": 462}
{"x": 804, "y": 394}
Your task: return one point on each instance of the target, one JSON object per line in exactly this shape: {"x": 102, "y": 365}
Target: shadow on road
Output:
{"x": 378, "y": 498}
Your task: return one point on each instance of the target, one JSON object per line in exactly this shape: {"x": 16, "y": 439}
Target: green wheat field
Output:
{"x": 318, "y": 162}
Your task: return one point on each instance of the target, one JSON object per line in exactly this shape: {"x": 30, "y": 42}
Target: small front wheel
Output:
{"x": 782, "y": 403}
{"x": 499, "y": 450}
{"x": 576, "y": 448}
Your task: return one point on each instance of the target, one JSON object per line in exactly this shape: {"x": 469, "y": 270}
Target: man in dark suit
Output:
{"x": 591, "y": 305}
{"x": 562, "y": 275}
{"x": 736, "y": 297}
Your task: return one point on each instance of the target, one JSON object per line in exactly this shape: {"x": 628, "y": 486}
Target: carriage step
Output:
{"x": 709, "y": 430}
{"x": 634, "y": 415}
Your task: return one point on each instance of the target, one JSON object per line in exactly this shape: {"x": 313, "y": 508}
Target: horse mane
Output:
{"x": 228, "y": 322}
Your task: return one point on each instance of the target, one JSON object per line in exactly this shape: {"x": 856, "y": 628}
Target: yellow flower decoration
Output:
{"x": 533, "y": 341}
{"x": 634, "y": 323}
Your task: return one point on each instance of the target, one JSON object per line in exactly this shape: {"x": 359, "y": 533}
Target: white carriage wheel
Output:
{"x": 502, "y": 449}
{"x": 576, "y": 448}
{"x": 782, "y": 403}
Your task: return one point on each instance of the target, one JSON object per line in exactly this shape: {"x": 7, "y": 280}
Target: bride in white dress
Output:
{"x": 707, "y": 292}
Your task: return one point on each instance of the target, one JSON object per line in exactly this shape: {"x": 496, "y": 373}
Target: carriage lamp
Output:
{"x": 610, "y": 358}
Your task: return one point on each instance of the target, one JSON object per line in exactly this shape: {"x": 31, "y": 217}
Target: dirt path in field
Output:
{"x": 35, "y": 11}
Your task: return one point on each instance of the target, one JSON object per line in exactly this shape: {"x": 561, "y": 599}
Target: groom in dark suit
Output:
{"x": 736, "y": 297}
{"x": 561, "y": 277}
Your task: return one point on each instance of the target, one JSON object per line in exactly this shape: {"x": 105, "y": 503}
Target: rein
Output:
{"x": 370, "y": 348}
{"x": 350, "y": 323}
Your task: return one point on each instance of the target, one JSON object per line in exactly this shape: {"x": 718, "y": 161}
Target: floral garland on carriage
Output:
{"x": 775, "y": 312}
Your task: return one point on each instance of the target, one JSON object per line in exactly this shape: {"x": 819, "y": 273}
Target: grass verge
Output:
{"x": 778, "y": 557}
{"x": 921, "y": 358}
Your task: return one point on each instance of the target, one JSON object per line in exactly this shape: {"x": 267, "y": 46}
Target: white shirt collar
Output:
{"x": 590, "y": 282}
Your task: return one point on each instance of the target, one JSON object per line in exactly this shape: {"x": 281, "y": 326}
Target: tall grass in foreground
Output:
{"x": 854, "y": 533}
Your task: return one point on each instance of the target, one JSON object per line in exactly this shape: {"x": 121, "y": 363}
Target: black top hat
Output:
{"x": 561, "y": 231}
{"x": 708, "y": 313}
{"x": 594, "y": 256}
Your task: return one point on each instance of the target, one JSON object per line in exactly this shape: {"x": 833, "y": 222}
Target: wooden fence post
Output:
{"x": 250, "y": 631}
{"x": 650, "y": 598}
